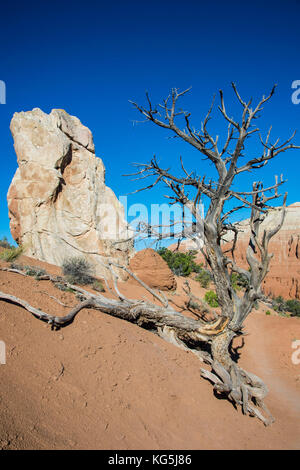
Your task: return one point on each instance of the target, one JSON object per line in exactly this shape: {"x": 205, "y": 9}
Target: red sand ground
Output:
{"x": 103, "y": 383}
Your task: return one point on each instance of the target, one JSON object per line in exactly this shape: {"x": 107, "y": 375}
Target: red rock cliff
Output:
{"x": 284, "y": 274}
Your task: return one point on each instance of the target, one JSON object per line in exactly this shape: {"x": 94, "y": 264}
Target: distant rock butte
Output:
{"x": 284, "y": 274}
{"x": 59, "y": 205}
{"x": 149, "y": 266}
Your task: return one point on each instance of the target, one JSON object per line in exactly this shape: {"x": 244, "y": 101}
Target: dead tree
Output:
{"x": 229, "y": 161}
{"x": 209, "y": 340}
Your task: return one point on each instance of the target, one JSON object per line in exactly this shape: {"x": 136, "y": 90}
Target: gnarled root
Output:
{"x": 242, "y": 388}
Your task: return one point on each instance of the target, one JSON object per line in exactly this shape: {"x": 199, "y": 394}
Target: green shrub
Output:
{"x": 64, "y": 288}
{"x": 5, "y": 244}
{"x": 238, "y": 281}
{"x": 98, "y": 286}
{"x": 268, "y": 312}
{"x": 17, "y": 266}
{"x": 279, "y": 301}
{"x": 193, "y": 305}
{"x": 278, "y": 304}
{"x": 77, "y": 271}
{"x": 204, "y": 278}
{"x": 282, "y": 306}
{"x": 242, "y": 280}
{"x": 293, "y": 306}
{"x": 10, "y": 254}
{"x": 34, "y": 271}
{"x": 211, "y": 298}
{"x": 182, "y": 264}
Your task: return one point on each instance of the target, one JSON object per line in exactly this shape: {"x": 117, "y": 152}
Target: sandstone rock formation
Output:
{"x": 152, "y": 269}
{"x": 284, "y": 275}
{"x": 59, "y": 205}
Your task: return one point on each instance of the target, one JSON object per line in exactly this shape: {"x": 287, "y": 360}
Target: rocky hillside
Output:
{"x": 59, "y": 205}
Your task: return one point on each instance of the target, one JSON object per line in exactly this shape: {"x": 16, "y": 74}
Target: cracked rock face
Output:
{"x": 59, "y": 205}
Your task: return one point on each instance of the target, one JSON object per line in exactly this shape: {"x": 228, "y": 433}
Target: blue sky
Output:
{"x": 91, "y": 57}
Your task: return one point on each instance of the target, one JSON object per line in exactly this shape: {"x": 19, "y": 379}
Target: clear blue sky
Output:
{"x": 91, "y": 57}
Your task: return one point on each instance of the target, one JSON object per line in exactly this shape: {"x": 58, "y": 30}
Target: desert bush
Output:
{"x": 5, "y": 244}
{"x": 34, "y": 271}
{"x": 98, "y": 286}
{"x": 233, "y": 281}
{"x": 204, "y": 278}
{"x": 77, "y": 271}
{"x": 20, "y": 267}
{"x": 181, "y": 264}
{"x": 293, "y": 306}
{"x": 242, "y": 280}
{"x": 63, "y": 287}
{"x": 10, "y": 254}
{"x": 268, "y": 312}
{"x": 193, "y": 305}
{"x": 60, "y": 283}
{"x": 278, "y": 304}
{"x": 238, "y": 281}
{"x": 211, "y": 298}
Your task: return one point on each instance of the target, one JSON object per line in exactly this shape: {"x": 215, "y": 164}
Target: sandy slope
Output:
{"x": 104, "y": 383}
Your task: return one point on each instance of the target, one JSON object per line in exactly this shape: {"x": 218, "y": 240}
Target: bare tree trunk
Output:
{"x": 188, "y": 188}
{"x": 220, "y": 349}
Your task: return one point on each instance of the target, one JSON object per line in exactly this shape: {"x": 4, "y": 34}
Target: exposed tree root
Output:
{"x": 242, "y": 388}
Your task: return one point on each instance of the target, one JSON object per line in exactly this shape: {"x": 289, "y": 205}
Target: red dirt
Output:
{"x": 103, "y": 383}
